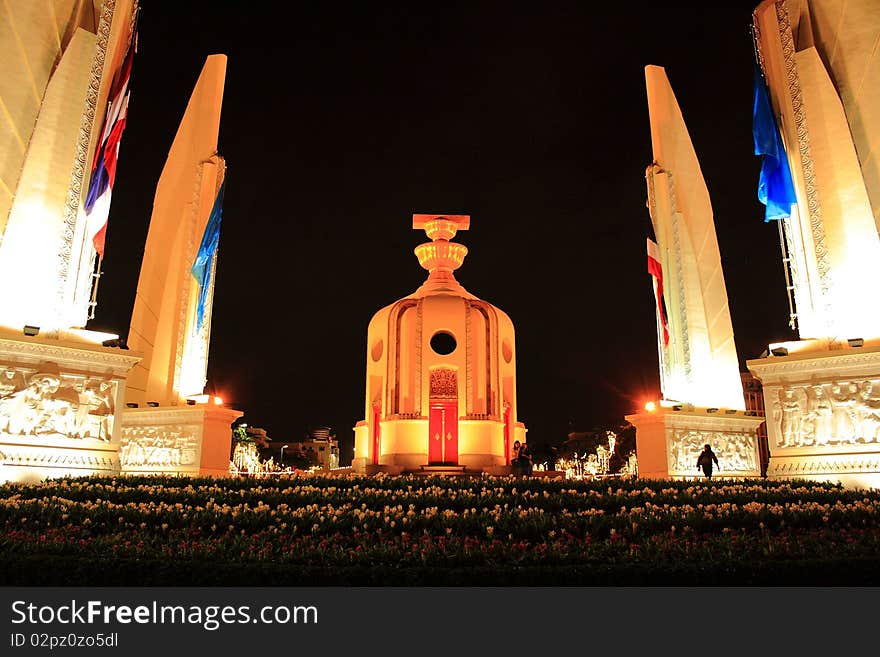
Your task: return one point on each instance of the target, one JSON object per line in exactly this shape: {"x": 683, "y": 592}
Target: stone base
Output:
{"x": 177, "y": 440}
{"x": 60, "y": 399}
{"x": 30, "y": 459}
{"x": 443, "y": 471}
{"x": 668, "y": 442}
{"x": 404, "y": 443}
{"x": 823, "y": 412}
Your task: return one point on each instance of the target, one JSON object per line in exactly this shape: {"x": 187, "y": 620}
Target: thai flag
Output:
{"x": 656, "y": 271}
{"x": 97, "y": 203}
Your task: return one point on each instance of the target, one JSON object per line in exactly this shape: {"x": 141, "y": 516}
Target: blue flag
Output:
{"x": 775, "y": 188}
{"x": 203, "y": 265}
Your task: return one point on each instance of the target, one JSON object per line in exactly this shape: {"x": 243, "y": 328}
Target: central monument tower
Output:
{"x": 441, "y": 372}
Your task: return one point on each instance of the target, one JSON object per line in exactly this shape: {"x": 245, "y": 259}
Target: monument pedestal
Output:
{"x": 404, "y": 445}
{"x": 177, "y": 440}
{"x": 823, "y": 411}
{"x": 668, "y": 442}
{"x": 59, "y": 405}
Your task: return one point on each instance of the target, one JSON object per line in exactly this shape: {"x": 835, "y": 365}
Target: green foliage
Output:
{"x": 240, "y": 436}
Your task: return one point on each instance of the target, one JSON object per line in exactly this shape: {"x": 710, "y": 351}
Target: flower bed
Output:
{"x": 413, "y": 531}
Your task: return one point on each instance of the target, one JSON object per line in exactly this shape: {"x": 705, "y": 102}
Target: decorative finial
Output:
{"x": 440, "y": 256}
{"x": 441, "y": 226}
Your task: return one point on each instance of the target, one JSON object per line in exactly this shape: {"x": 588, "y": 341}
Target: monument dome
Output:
{"x": 441, "y": 372}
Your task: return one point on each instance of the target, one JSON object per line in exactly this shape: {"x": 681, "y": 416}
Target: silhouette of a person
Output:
{"x": 705, "y": 460}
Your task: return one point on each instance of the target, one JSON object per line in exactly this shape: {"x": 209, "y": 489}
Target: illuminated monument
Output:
{"x": 699, "y": 372}
{"x": 60, "y": 388}
{"x": 175, "y": 427}
{"x": 441, "y": 373}
{"x": 821, "y": 67}
{"x": 63, "y": 396}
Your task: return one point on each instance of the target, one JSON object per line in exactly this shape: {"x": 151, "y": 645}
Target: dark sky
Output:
{"x": 338, "y": 124}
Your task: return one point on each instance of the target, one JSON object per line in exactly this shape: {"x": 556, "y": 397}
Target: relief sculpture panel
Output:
{"x": 444, "y": 383}
{"x": 821, "y": 414}
{"x": 43, "y": 402}
{"x": 736, "y": 451}
{"x": 165, "y": 447}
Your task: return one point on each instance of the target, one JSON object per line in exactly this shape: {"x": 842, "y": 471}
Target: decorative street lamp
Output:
{"x": 281, "y": 459}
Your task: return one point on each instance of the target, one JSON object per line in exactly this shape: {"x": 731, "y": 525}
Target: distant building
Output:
{"x": 753, "y": 392}
{"x": 322, "y": 448}
{"x": 319, "y": 448}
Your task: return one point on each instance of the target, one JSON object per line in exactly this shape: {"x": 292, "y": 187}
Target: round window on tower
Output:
{"x": 443, "y": 343}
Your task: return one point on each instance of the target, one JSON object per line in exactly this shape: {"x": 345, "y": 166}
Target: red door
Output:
{"x": 375, "y": 430}
{"x": 443, "y": 436}
{"x": 506, "y": 434}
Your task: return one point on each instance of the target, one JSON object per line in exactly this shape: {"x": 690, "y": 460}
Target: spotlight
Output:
{"x": 711, "y": 410}
{"x": 779, "y": 351}
{"x": 115, "y": 342}
{"x": 152, "y": 404}
{"x": 31, "y": 330}
{"x": 730, "y": 411}
{"x": 190, "y": 402}
{"x": 856, "y": 342}
{"x": 132, "y": 404}
{"x": 677, "y": 407}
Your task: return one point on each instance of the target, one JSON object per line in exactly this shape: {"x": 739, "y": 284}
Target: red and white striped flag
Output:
{"x": 97, "y": 204}
{"x": 656, "y": 271}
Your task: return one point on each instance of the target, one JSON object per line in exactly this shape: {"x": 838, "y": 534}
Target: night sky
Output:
{"x": 339, "y": 123}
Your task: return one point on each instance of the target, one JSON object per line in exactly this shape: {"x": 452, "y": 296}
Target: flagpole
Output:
{"x": 660, "y": 353}
{"x": 789, "y": 288}
{"x": 93, "y": 302}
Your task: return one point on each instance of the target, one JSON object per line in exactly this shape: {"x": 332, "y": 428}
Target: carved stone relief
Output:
{"x": 736, "y": 451}
{"x": 800, "y": 466}
{"x": 836, "y": 413}
{"x": 43, "y": 402}
{"x": 158, "y": 447}
{"x": 53, "y": 458}
{"x": 444, "y": 383}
